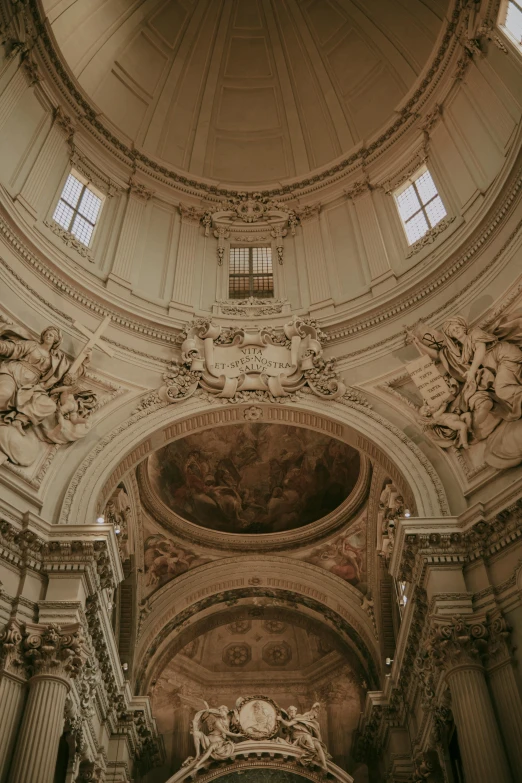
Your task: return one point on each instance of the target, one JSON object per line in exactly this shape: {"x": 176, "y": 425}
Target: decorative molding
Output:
{"x": 251, "y": 307}
{"x": 69, "y": 240}
{"x": 430, "y": 236}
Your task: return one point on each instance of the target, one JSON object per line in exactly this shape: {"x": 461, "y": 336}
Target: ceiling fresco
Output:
{"x": 254, "y": 478}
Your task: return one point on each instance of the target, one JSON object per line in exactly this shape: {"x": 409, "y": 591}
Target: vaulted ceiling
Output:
{"x": 246, "y": 91}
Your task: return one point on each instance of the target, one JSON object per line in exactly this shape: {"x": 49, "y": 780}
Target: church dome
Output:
{"x": 247, "y": 92}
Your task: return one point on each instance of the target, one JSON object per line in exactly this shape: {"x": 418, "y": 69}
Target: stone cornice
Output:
{"x": 475, "y": 534}
{"x": 85, "y": 550}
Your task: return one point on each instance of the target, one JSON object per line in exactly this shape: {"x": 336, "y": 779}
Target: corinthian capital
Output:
{"x": 461, "y": 640}
{"x": 11, "y": 656}
{"x": 51, "y": 649}
{"x": 499, "y": 647}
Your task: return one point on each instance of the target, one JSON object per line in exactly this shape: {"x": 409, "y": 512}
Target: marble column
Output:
{"x": 505, "y": 692}
{"x": 457, "y": 647}
{"x": 53, "y": 656}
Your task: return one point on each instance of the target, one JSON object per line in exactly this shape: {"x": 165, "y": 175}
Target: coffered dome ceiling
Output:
{"x": 246, "y": 91}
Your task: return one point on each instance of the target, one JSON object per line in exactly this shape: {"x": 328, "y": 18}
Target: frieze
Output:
{"x": 479, "y": 541}
{"x": 29, "y": 550}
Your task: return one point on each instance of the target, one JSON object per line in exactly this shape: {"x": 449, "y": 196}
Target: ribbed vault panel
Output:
{"x": 247, "y": 91}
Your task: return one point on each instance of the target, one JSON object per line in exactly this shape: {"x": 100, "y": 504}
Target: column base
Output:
{"x": 28, "y": 208}
{"x": 174, "y": 307}
{"x": 326, "y": 307}
{"x": 117, "y": 285}
{"x": 383, "y": 283}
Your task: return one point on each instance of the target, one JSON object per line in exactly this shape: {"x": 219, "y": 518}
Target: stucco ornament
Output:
{"x": 41, "y": 398}
{"x": 229, "y": 362}
{"x": 471, "y": 384}
{"x": 220, "y": 733}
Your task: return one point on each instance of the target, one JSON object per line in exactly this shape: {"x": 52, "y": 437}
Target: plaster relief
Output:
{"x": 481, "y": 398}
{"x": 42, "y": 396}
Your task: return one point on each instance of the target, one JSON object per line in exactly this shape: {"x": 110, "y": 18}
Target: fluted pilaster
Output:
{"x": 319, "y": 283}
{"x": 11, "y": 700}
{"x": 184, "y": 273}
{"x": 37, "y": 745}
{"x": 11, "y": 95}
{"x": 505, "y": 693}
{"x": 44, "y": 164}
{"x": 372, "y": 238}
{"x": 122, "y": 268}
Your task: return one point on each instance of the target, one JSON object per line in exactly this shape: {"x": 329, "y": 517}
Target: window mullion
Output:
{"x": 251, "y": 271}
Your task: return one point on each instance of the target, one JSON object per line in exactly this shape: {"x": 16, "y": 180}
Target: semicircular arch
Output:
{"x": 206, "y": 590}
{"x": 131, "y": 441}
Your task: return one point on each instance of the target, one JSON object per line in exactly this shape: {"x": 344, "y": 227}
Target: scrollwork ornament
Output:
{"x": 234, "y": 363}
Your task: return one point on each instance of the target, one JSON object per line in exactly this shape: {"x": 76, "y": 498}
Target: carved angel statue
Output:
{"x": 439, "y": 417}
{"x": 212, "y": 735}
{"x": 304, "y": 732}
{"x": 484, "y": 371}
{"x": 39, "y": 398}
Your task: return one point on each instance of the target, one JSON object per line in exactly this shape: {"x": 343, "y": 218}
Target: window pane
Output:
{"x": 261, "y": 260}
{"x": 513, "y": 23}
{"x": 262, "y": 285}
{"x": 416, "y": 227}
{"x": 71, "y": 190}
{"x": 426, "y": 187}
{"x": 63, "y": 215}
{"x": 82, "y": 230}
{"x": 435, "y": 211}
{"x": 90, "y": 206}
{"x": 408, "y": 203}
{"x": 239, "y": 260}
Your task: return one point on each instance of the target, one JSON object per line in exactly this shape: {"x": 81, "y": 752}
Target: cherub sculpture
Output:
{"x": 439, "y": 417}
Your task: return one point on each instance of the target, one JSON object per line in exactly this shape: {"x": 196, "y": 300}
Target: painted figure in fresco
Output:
{"x": 164, "y": 559}
{"x": 254, "y": 478}
{"x": 304, "y": 731}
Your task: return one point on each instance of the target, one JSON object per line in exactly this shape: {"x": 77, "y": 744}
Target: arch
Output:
{"x": 209, "y": 588}
{"x": 264, "y": 756}
{"x": 128, "y": 443}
